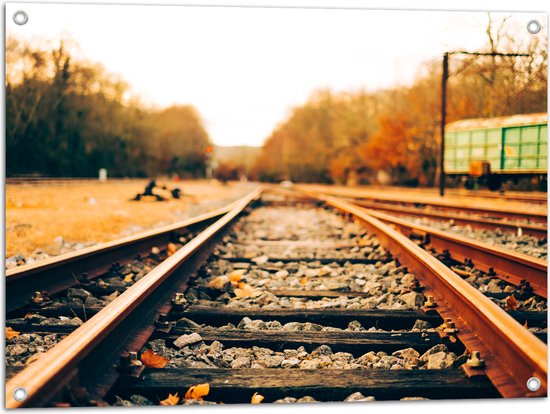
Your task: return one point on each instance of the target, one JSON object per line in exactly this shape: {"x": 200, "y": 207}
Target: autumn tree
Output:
{"x": 345, "y": 137}
{"x": 66, "y": 117}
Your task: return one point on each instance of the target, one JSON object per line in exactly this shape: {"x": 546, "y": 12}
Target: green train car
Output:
{"x": 493, "y": 150}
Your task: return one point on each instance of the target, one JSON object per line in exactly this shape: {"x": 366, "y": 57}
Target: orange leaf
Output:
{"x": 196, "y": 392}
{"x": 129, "y": 278}
{"x": 171, "y": 400}
{"x": 10, "y": 333}
{"x": 152, "y": 360}
{"x": 511, "y": 303}
{"x": 256, "y": 398}
{"x": 303, "y": 281}
{"x": 236, "y": 275}
{"x": 245, "y": 291}
{"x": 171, "y": 248}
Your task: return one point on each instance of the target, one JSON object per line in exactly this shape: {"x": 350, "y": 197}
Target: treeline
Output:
{"x": 392, "y": 136}
{"x": 66, "y": 117}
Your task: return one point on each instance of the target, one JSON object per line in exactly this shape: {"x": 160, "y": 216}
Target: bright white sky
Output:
{"x": 245, "y": 68}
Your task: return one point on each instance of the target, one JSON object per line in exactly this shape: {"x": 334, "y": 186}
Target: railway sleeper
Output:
{"x": 238, "y": 385}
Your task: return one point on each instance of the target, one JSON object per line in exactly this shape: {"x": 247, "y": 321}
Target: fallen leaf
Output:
{"x": 525, "y": 324}
{"x": 236, "y": 275}
{"x": 152, "y": 360}
{"x": 171, "y": 248}
{"x": 245, "y": 291}
{"x": 196, "y": 392}
{"x": 10, "y": 333}
{"x": 129, "y": 278}
{"x": 511, "y": 303}
{"x": 303, "y": 281}
{"x": 219, "y": 283}
{"x": 171, "y": 400}
{"x": 256, "y": 398}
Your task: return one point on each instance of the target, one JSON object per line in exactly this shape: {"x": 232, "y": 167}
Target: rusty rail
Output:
{"x": 82, "y": 350}
{"x": 61, "y": 272}
{"x": 512, "y": 353}
{"x": 535, "y": 230}
{"x": 444, "y": 204}
{"x": 510, "y": 266}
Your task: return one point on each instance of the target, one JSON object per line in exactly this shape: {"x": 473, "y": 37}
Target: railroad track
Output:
{"x": 302, "y": 288}
{"x": 539, "y": 230}
{"x": 483, "y": 216}
{"x": 527, "y": 273}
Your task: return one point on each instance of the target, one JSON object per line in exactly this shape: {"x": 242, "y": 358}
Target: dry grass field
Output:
{"x": 39, "y": 214}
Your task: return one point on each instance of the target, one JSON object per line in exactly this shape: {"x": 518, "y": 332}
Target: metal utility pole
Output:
{"x": 444, "y": 78}
{"x": 443, "y": 115}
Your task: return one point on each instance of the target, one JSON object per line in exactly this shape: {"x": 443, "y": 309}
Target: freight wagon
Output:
{"x": 490, "y": 151}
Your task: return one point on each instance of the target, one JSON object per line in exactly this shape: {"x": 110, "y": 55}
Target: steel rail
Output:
{"x": 508, "y": 265}
{"x": 529, "y": 197}
{"x": 497, "y": 212}
{"x": 512, "y": 353}
{"x": 61, "y": 272}
{"x": 58, "y": 366}
{"x": 535, "y": 230}
{"x": 513, "y": 267}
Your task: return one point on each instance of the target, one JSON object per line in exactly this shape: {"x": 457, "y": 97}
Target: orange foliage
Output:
{"x": 11, "y": 333}
{"x": 171, "y": 399}
{"x": 196, "y": 392}
{"x": 152, "y": 360}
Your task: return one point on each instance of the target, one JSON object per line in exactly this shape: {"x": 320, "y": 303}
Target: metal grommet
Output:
{"x": 20, "y": 17}
{"x": 20, "y": 394}
{"x": 533, "y": 384}
{"x": 533, "y": 27}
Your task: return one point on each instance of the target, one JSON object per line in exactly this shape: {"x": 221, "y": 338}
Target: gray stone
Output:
{"x": 292, "y": 362}
{"x": 368, "y": 358}
{"x": 357, "y": 397}
{"x": 281, "y": 274}
{"x": 140, "y": 400}
{"x": 420, "y": 325}
{"x": 81, "y": 294}
{"x": 286, "y": 400}
{"x": 241, "y": 362}
{"x": 341, "y": 357}
{"x": 16, "y": 349}
{"x": 254, "y": 325}
{"x": 273, "y": 361}
{"x": 354, "y": 326}
{"x": 186, "y": 340}
{"x": 493, "y": 286}
{"x": 412, "y": 300}
{"x": 321, "y": 350}
{"x": 260, "y": 260}
{"x": 407, "y": 354}
{"x": 433, "y": 350}
{"x": 441, "y": 360}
